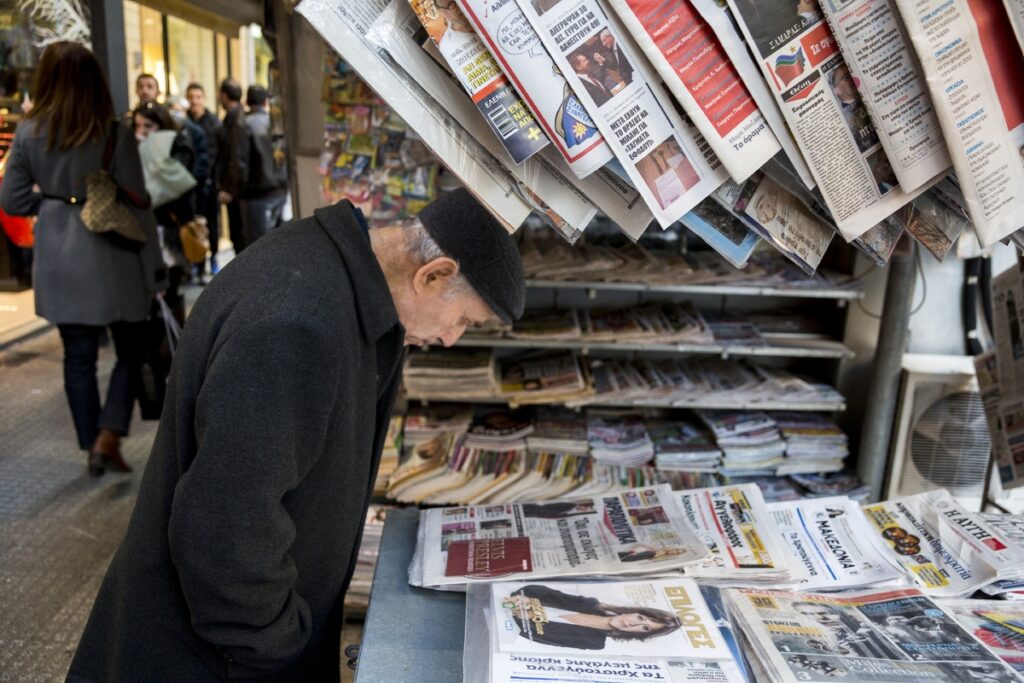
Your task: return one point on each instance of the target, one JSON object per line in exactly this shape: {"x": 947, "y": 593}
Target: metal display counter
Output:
{"x": 410, "y": 634}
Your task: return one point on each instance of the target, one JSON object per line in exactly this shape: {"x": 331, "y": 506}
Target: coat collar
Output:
{"x": 375, "y": 307}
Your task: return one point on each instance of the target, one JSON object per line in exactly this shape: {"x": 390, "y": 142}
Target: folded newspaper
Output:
{"x": 833, "y": 545}
{"x": 894, "y": 636}
{"x": 595, "y": 632}
{"x": 996, "y": 623}
{"x": 948, "y": 551}
{"x": 634, "y": 531}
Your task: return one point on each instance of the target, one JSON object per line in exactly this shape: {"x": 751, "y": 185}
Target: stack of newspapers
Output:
{"x": 559, "y": 430}
{"x": 750, "y": 441}
{"x": 814, "y": 443}
{"x": 390, "y": 454}
{"x": 459, "y": 373}
{"x": 619, "y": 441}
{"x": 682, "y": 445}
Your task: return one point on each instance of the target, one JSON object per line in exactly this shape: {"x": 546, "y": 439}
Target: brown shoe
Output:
{"x": 105, "y": 454}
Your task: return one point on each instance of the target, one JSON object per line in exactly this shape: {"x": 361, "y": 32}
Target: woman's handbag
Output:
{"x": 166, "y": 177}
{"x": 195, "y": 240}
{"x": 103, "y": 211}
{"x": 162, "y": 332}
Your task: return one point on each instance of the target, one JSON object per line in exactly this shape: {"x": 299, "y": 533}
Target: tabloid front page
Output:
{"x": 948, "y": 551}
{"x": 818, "y": 96}
{"x": 895, "y": 636}
{"x": 666, "y": 160}
{"x": 996, "y": 623}
{"x": 344, "y": 25}
{"x": 737, "y": 529}
{"x": 832, "y": 544}
{"x": 973, "y": 66}
{"x": 517, "y": 49}
{"x": 695, "y": 68}
{"x": 889, "y": 80}
{"x": 632, "y": 531}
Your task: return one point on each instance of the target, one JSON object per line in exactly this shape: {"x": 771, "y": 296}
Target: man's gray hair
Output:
{"x": 422, "y": 249}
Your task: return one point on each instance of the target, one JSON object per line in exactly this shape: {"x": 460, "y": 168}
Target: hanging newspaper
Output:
{"x": 986, "y": 368}
{"x": 894, "y": 636}
{"x": 722, "y": 231}
{"x": 344, "y": 24}
{"x": 973, "y": 66}
{"x": 1015, "y": 12}
{"x": 996, "y": 623}
{"x": 737, "y": 529}
{"x": 948, "y": 551}
{"x": 716, "y": 13}
{"x": 819, "y": 99}
{"x": 888, "y": 77}
{"x": 517, "y": 50}
{"x": 594, "y": 632}
{"x": 665, "y": 159}
{"x": 832, "y": 543}
{"x": 696, "y": 69}
{"x": 633, "y": 531}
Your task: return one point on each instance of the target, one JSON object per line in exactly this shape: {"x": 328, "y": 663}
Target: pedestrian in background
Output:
{"x": 206, "y": 194}
{"x": 267, "y": 181}
{"x": 84, "y": 281}
{"x": 233, "y": 159}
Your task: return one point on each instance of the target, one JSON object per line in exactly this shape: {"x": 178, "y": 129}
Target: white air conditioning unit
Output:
{"x": 941, "y": 438}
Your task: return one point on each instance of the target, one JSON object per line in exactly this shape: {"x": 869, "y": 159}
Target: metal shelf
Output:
{"x": 715, "y": 404}
{"x": 838, "y": 293}
{"x": 796, "y": 348}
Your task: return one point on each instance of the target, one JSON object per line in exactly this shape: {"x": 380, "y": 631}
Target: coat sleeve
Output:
{"x": 126, "y": 168}
{"x": 235, "y": 158}
{"x": 261, "y": 420}
{"x": 16, "y": 194}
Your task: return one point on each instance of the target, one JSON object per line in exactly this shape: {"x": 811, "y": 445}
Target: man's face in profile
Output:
{"x": 607, "y": 40}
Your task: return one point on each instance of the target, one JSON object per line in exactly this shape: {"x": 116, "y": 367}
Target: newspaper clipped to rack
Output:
{"x": 737, "y": 529}
{"x": 695, "y": 68}
{"x": 594, "y": 632}
{"x": 832, "y": 544}
{"x": 517, "y": 50}
{"x": 972, "y": 65}
{"x": 818, "y": 97}
{"x": 664, "y": 157}
{"x": 893, "y": 636}
{"x": 630, "y": 532}
{"x": 948, "y": 551}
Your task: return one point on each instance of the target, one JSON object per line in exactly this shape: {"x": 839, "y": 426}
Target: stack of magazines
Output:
{"x": 751, "y": 441}
{"x": 423, "y": 423}
{"x": 832, "y": 484}
{"x": 499, "y": 430}
{"x": 622, "y": 441}
{"x": 682, "y": 445}
{"x": 389, "y": 455}
{"x": 559, "y": 430}
{"x": 814, "y": 443}
{"x": 357, "y": 599}
{"x": 460, "y": 374}
{"x": 542, "y": 378}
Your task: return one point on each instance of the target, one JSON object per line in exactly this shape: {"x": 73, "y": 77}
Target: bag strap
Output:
{"x": 108, "y": 152}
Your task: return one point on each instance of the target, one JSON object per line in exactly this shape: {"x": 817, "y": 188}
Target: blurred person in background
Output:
{"x": 84, "y": 282}
{"x": 232, "y": 159}
{"x": 206, "y": 193}
{"x": 267, "y": 182}
{"x": 160, "y": 137}
{"x": 200, "y": 169}
{"x": 147, "y": 88}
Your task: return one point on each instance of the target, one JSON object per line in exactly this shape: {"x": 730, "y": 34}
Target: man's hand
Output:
{"x": 224, "y": 197}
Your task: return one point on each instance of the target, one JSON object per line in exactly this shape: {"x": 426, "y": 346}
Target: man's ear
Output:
{"x": 435, "y": 275}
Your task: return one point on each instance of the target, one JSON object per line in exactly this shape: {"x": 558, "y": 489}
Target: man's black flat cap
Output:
{"x": 486, "y": 253}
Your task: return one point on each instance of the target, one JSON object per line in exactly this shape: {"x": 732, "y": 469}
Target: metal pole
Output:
{"x": 107, "y": 23}
{"x": 883, "y": 389}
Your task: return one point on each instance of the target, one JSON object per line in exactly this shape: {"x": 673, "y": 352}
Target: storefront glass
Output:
{"x": 191, "y": 56}
{"x": 144, "y": 44}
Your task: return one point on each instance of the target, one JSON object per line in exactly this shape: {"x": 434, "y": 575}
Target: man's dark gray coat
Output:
{"x": 251, "y": 507}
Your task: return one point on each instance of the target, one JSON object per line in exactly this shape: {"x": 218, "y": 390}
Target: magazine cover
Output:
{"x": 996, "y": 623}
{"x": 832, "y": 543}
{"x": 881, "y": 636}
{"x": 632, "y": 531}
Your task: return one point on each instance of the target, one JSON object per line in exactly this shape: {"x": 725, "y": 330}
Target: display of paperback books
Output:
{"x": 743, "y": 543}
{"x": 629, "y": 532}
{"x": 463, "y": 374}
{"x": 598, "y": 631}
{"x": 895, "y": 636}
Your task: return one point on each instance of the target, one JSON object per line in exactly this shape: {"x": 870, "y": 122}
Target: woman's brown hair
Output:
{"x": 71, "y": 95}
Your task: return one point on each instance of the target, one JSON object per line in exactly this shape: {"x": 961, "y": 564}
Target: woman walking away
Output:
{"x": 84, "y": 281}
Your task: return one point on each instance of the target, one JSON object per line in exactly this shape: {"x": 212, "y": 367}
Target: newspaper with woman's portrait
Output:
{"x": 634, "y": 531}
{"x": 895, "y": 636}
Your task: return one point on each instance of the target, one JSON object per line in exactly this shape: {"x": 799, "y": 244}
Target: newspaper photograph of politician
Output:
{"x": 923, "y": 632}
{"x": 775, "y": 24}
{"x": 602, "y": 66}
{"x": 842, "y": 632}
{"x": 667, "y": 172}
{"x": 882, "y": 172}
{"x": 844, "y": 87}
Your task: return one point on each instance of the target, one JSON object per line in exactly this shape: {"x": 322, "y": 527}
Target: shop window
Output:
{"x": 191, "y": 56}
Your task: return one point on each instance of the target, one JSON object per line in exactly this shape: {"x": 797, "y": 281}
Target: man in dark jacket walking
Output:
{"x": 250, "y": 512}
{"x": 206, "y": 195}
{"x": 266, "y": 188}
{"x": 233, "y": 159}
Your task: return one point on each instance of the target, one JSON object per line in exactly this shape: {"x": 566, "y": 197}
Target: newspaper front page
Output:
{"x": 1011, "y": 473}
{"x": 737, "y": 529}
{"x": 665, "y": 159}
{"x": 632, "y": 531}
{"x": 893, "y": 636}
{"x": 716, "y": 13}
{"x": 695, "y": 68}
{"x": 832, "y": 543}
{"x": 996, "y": 623}
{"x": 344, "y": 24}
{"x": 973, "y": 67}
{"x": 518, "y": 51}
{"x": 819, "y": 98}
{"x": 947, "y": 551}
{"x": 889, "y": 80}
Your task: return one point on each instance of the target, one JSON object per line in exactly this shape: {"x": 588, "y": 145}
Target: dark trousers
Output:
{"x": 260, "y": 215}
{"x": 236, "y": 226}
{"x": 81, "y": 347}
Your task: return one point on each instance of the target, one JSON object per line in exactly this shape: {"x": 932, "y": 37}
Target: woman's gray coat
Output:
{"x": 80, "y": 277}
